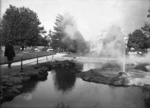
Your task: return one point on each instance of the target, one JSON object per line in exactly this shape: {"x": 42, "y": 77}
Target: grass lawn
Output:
{"x": 25, "y": 55}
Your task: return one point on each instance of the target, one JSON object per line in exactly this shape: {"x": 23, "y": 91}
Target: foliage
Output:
{"x": 140, "y": 38}
{"x": 0, "y": 32}
{"x": 137, "y": 40}
{"x": 146, "y": 30}
{"x": 21, "y": 26}
{"x": 148, "y": 13}
{"x": 61, "y": 105}
{"x": 42, "y": 41}
{"x": 66, "y": 36}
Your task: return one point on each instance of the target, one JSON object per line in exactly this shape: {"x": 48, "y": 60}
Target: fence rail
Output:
{"x": 24, "y": 62}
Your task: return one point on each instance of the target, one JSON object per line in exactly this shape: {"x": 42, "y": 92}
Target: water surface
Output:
{"x": 76, "y": 93}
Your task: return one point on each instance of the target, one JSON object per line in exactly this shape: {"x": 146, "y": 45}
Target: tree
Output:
{"x": 137, "y": 40}
{"x": 0, "y": 37}
{"x": 66, "y": 36}
{"x": 56, "y": 39}
{"x": 140, "y": 39}
{"x": 146, "y": 30}
{"x": 43, "y": 41}
{"x": 148, "y": 13}
{"x": 21, "y": 26}
{"x": 1, "y": 33}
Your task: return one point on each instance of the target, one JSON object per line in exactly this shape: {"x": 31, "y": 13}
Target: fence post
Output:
{"x": 52, "y": 57}
{"x": 46, "y": 58}
{"x": 37, "y": 58}
{"x": 21, "y": 64}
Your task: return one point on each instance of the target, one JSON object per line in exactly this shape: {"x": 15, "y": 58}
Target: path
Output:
{"x": 17, "y": 65}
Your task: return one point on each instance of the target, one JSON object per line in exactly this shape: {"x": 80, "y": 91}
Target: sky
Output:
{"x": 91, "y": 16}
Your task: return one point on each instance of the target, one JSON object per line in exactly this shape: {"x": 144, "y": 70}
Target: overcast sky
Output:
{"x": 92, "y": 16}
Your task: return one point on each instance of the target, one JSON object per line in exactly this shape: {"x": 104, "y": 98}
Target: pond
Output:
{"x": 68, "y": 90}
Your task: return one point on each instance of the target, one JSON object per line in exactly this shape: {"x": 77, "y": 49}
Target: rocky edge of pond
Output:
{"x": 12, "y": 85}
{"x": 110, "y": 75}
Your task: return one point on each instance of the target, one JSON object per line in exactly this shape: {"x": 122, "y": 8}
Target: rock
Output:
{"x": 1, "y": 99}
{"x": 16, "y": 80}
{"x": 4, "y": 77}
{"x": 15, "y": 90}
{"x": 148, "y": 67}
{"x": 41, "y": 74}
{"x": 18, "y": 86}
{"x": 86, "y": 78}
{"x": 63, "y": 64}
{"x": 122, "y": 79}
{"x": 142, "y": 67}
{"x": 36, "y": 66}
{"x": 123, "y": 75}
{"x": 26, "y": 78}
{"x": 43, "y": 69}
{"x": 9, "y": 84}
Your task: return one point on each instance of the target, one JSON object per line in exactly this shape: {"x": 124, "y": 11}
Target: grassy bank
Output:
{"x": 12, "y": 83}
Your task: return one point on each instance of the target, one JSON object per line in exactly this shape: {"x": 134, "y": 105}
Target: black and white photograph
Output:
{"x": 74, "y": 53}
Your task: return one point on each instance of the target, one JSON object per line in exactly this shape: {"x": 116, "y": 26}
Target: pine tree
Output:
{"x": 66, "y": 36}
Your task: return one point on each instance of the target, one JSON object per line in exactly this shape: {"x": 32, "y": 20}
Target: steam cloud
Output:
{"x": 136, "y": 59}
{"x": 111, "y": 43}
{"x": 70, "y": 26}
{"x": 72, "y": 33}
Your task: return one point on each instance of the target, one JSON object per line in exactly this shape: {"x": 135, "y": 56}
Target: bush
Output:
{"x": 17, "y": 48}
{"x": 44, "y": 49}
{"x": 1, "y": 51}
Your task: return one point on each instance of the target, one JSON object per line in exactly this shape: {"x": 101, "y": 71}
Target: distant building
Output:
{"x": 126, "y": 41}
{"x": 97, "y": 45}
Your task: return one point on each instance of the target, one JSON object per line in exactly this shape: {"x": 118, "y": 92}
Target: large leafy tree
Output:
{"x": 66, "y": 36}
{"x": 21, "y": 26}
{"x": 0, "y": 32}
{"x": 0, "y": 37}
{"x": 140, "y": 38}
{"x": 43, "y": 41}
{"x": 137, "y": 40}
{"x": 146, "y": 30}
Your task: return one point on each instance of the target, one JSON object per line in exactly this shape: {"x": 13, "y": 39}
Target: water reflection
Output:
{"x": 146, "y": 97}
{"x": 64, "y": 79}
{"x": 29, "y": 86}
{"x": 61, "y": 105}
